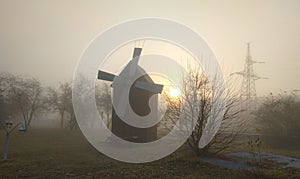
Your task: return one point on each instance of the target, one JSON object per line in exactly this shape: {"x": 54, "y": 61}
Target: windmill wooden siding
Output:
{"x": 138, "y": 99}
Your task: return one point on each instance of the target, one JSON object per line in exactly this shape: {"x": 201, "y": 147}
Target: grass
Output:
{"x": 264, "y": 147}
{"x": 61, "y": 153}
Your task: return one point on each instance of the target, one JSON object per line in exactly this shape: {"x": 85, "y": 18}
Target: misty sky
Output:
{"x": 45, "y": 39}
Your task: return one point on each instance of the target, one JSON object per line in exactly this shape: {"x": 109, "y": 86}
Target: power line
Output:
{"x": 248, "y": 89}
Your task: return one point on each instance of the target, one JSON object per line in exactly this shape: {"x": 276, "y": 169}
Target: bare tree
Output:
{"x": 103, "y": 100}
{"x": 195, "y": 86}
{"x": 2, "y": 102}
{"x": 69, "y": 107}
{"x": 59, "y": 99}
{"x": 279, "y": 119}
{"x": 24, "y": 96}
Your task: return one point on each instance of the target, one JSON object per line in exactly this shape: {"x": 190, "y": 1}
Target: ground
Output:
{"x": 61, "y": 153}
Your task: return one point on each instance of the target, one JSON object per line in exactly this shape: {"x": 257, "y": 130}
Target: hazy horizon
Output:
{"x": 45, "y": 39}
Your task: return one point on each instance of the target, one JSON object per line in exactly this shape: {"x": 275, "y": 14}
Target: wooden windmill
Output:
{"x": 140, "y": 92}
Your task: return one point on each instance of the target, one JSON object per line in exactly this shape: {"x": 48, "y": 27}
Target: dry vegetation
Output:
{"x": 62, "y": 153}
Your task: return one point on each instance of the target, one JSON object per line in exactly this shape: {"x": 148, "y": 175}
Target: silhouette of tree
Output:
{"x": 103, "y": 100}
{"x": 60, "y": 100}
{"x": 195, "y": 87}
{"x": 23, "y": 96}
{"x": 279, "y": 119}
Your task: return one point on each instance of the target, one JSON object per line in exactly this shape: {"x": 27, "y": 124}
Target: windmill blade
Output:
{"x": 154, "y": 88}
{"x": 102, "y": 75}
{"x": 135, "y": 60}
{"x": 122, "y": 104}
{"x": 137, "y": 52}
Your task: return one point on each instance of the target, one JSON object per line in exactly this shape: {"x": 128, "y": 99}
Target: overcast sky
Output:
{"x": 45, "y": 39}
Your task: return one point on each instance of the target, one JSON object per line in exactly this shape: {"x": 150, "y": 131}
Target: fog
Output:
{"x": 44, "y": 39}
{"x": 60, "y": 134}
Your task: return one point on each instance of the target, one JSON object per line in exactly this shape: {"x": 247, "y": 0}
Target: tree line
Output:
{"x": 26, "y": 98}
{"x": 278, "y": 116}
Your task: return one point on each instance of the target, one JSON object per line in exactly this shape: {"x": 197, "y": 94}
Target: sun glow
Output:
{"x": 174, "y": 92}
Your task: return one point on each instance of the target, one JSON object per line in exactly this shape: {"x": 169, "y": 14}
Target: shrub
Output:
{"x": 280, "y": 119}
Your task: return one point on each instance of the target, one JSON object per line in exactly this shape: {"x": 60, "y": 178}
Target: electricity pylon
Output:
{"x": 248, "y": 90}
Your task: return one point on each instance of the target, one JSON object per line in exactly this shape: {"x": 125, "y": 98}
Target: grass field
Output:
{"x": 61, "y": 153}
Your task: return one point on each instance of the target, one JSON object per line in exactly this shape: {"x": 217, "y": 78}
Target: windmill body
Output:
{"x": 140, "y": 91}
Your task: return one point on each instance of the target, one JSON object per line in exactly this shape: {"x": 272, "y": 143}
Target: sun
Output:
{"x": 174, "y": 92}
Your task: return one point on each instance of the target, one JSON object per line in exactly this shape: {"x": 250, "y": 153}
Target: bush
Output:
{"x": 280, "y": 119}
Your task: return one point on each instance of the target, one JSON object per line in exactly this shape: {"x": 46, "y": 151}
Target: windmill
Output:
{"x": 139, "y": 94}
